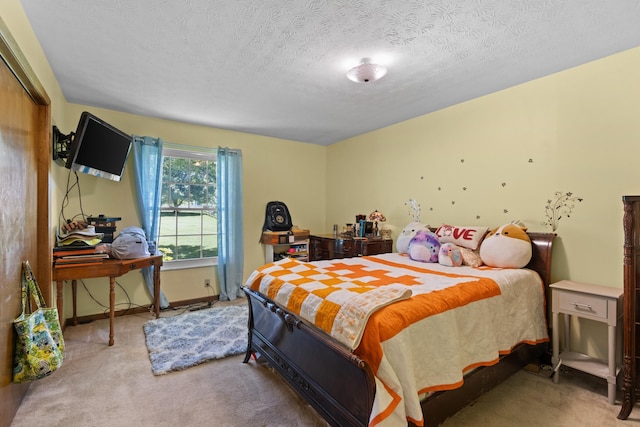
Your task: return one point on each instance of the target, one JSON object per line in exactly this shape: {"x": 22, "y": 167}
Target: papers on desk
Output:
{"x": 78, "y": 256}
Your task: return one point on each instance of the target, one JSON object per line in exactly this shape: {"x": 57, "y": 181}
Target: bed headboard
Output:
{"x": 542, "y": 245}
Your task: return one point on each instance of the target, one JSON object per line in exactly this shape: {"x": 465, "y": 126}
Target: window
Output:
{"x": 188, "y": 234}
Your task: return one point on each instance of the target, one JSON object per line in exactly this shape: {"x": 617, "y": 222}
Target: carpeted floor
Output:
{"x": 101, "y": 386}
{"x": 528, "y": 399}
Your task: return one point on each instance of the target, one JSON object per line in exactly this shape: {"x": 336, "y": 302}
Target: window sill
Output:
{"x": 189, "y": 263}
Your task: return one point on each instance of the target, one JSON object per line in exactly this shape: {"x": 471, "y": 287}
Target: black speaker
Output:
{"x": 277, "y": 217}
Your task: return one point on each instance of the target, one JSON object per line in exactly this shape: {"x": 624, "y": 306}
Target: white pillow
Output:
{"x": 467, "y": 237}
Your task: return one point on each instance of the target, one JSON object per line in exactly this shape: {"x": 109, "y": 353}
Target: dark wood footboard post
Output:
{"x": 247, "y": 355}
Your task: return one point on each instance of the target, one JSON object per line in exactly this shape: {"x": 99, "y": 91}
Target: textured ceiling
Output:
{"x": 277, "y": 67}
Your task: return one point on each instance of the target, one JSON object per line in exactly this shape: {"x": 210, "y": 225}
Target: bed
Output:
{"x": 420, "y": 374}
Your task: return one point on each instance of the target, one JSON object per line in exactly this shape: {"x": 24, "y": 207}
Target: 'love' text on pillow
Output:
{"x": 468, "y": 236}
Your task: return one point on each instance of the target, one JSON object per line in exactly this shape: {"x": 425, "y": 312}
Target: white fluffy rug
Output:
{"x": 179, "y": 342}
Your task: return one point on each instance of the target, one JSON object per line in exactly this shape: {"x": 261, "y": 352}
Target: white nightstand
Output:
{"x": 599, "y": 303}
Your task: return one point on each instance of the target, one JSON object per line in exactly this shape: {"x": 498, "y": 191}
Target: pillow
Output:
{"x": 449, "y": 255}
{"x": 424, "y": 246}
{"x": 470, "y": 257}
{"x": 407, "y": 233}
{"x": 507, "y": 246}
{"x": 467, "y": 237}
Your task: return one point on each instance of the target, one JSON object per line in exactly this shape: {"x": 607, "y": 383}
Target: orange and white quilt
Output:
{"x": 337, "y": 298}
{"x": 420, "y": 326}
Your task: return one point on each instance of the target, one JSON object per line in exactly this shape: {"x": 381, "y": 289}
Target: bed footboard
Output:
{"x": 338, "y": 384}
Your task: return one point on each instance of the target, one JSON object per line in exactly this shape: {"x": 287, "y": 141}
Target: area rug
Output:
{"x": 189, "y": 339}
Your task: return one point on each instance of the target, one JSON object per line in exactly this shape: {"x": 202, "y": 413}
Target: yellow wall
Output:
{"x": 575, "y": 131}
{"x": 579, "y": 127}
{"x": 487, "y": 161}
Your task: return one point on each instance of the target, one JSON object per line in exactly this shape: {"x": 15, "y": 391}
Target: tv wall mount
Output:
{"x": 61, "y": 145}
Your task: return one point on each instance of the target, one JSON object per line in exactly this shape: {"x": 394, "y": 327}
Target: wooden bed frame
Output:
{"x": 340, "y": 385}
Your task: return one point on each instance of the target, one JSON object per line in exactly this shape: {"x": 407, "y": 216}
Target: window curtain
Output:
{"x": 230, "y": 229}
{"x": 147, "y": 162}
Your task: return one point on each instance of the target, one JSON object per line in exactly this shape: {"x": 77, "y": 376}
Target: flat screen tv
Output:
{"x": 98, "y": 148}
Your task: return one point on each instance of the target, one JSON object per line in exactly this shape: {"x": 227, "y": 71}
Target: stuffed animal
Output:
{"x": 450, "y": 255}
{"x": 507, "y": 246}
{"x": 407, "y": 233}
{"x": 424, "y": 246}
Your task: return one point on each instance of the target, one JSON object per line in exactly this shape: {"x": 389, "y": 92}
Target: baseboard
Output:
{"x": 138, "y": 310}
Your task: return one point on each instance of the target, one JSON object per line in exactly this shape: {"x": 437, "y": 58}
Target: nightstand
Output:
{"x": 598, "y": 303}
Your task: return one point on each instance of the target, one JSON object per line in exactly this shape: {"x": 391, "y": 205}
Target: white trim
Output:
{"x": 182, "y": 264}
{"x": 188, "y": 152}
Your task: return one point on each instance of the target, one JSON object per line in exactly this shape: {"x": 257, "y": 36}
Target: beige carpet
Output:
{"x": 528, "y": 399}
{"x": 100, "y": 385}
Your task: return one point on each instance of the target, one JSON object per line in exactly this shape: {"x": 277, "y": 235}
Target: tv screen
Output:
{"x": 98, "y": 148}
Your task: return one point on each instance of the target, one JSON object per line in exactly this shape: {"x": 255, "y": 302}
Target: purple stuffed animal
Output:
{"x": 424, "y": 247}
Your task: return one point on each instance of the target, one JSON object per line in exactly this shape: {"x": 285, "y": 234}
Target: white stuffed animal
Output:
{"x": 408, "y": 233}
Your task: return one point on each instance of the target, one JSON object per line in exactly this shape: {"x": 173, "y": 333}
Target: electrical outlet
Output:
{"x": 207, "y": 283}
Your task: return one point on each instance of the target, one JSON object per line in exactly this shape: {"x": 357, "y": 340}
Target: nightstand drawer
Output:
{"x": 572, "y": 302}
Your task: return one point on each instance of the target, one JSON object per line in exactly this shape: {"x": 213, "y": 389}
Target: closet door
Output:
{"x": 24, "y": 201}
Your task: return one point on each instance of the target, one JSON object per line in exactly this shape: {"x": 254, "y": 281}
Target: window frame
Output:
{"x": 186, "y": 152}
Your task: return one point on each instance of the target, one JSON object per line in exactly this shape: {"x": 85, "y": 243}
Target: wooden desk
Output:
{"x": 110, "y": 268}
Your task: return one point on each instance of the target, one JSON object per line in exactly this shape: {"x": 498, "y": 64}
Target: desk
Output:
{"x": 110, "y": 268}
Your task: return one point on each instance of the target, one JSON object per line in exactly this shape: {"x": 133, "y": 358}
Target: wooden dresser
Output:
{"x": 327, "y": 246}
{"x": 631, "y": 310}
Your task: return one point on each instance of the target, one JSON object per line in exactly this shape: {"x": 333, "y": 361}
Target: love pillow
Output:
{"x": 467, "y": 237}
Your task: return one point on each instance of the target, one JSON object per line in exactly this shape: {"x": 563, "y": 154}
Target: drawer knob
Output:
{"x": 581, "y": 306}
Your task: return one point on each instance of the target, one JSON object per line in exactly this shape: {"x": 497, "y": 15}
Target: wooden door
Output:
{"x": 24, "y": 201}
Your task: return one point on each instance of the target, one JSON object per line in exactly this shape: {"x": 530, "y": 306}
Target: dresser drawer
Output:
{"x": 572, "y": 302}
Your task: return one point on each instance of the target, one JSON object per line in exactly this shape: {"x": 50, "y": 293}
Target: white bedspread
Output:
{"x": 433, "y": 353}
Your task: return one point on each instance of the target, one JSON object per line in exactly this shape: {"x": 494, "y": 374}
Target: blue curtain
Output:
{"x": 230, "y": 227}
{"x": 147, "y": 158}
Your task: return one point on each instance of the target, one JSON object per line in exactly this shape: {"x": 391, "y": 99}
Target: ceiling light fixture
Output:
{"x": 366, "y": 72}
